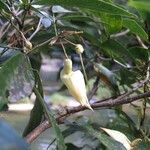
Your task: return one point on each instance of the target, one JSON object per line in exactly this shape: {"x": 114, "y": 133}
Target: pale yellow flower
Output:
{"x": 75, "y": 83}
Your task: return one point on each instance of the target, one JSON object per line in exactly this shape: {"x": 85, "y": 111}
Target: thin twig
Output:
{"x": 55, "y": 28}
{"x": 120, "y": 34}
{"x": 141, "y": 42}
{"x": 56, "y": 33}
{"x": 119, "y": 63}
{"x": 145, "y": 85}
{"x": 37, "y": 29}
{"x": 134, "y": 89}
{"x": 39, "y": 45}
{"x": 17, "y": 19}
{"x": 69, "y": 42}
{"x": 22, "y": 35}
{"x": 65, "y": 53}
{"x": 82, "y": 64}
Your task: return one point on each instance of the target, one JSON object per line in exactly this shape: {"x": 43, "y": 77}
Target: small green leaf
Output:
{"x": 141, "y": 5}
{"x": 113, "y": 23}
{"x": 3, "y": 6}
{"x": 91, "y": 5}
{"x": 128, "y": 77}
{"x": 114, "y": 50}
{"x": 138, "y": 53}
{"x": 72, "y": 17}
{"x": 37, "y": 111}
{"x": 135, "y": 28}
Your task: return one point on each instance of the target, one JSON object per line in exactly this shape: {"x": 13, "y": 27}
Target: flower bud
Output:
{"x": 79, "y": 48}
{"x": 28, "y": 44}
{"x": 75, "y": 83}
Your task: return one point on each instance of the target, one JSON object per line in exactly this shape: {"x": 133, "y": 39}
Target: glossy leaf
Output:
{"x": 37, "y": 111}
{"x": 104, "y": 139}
{"x": 141, "y": 5}
{"x": 93, "y": 5}
{"x": 112, "y": 23}
{"x": 135, "y": 28}
{"x": 115, "y": 50}
{"x": 128, "y": 77}
{"x": 139, "y": 53}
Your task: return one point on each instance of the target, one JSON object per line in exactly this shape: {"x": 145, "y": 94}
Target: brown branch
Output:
{"x": 109, "y": 103}
{"x": 17, "y": 19}
{"x": 135, "y": 88}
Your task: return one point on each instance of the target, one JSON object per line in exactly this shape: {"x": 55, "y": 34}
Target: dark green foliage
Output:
{"x": 116, "y": 42}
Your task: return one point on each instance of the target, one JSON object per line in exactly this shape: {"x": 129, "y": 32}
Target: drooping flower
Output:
{"x": 75, "y": 83}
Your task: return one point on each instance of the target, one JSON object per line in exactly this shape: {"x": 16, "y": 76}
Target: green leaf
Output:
{"x": 7, "y": 72}
{"x": 76, "y": 17}
{"x": 143, "y": 146}
{"x": 128, "y": 77}
{"x": 85, "y": 127}
{"x": 37, "y": 111}
{"x": 3, "y": 6}
{"x": 139, "y": 53}
{"x": 104, "y": 139}
{"x": 114, "y": 50}
{"x": 59, "y": 136}
{"x": 113, "y": 23}
{"x": 91, "y": 5}
{"x": 141, "y": 5}
{"x": 135, "y": 28}
{"x": 25, "y": 2}
{"x": 123, "y": 123}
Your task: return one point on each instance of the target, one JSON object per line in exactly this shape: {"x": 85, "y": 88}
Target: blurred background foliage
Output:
{"x": 116, "y": 42}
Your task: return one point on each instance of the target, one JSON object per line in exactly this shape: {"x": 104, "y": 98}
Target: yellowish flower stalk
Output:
{"x": 27, "y": 46}
{"x": 79, "y": 50}
{"x": 75, "y": 83}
